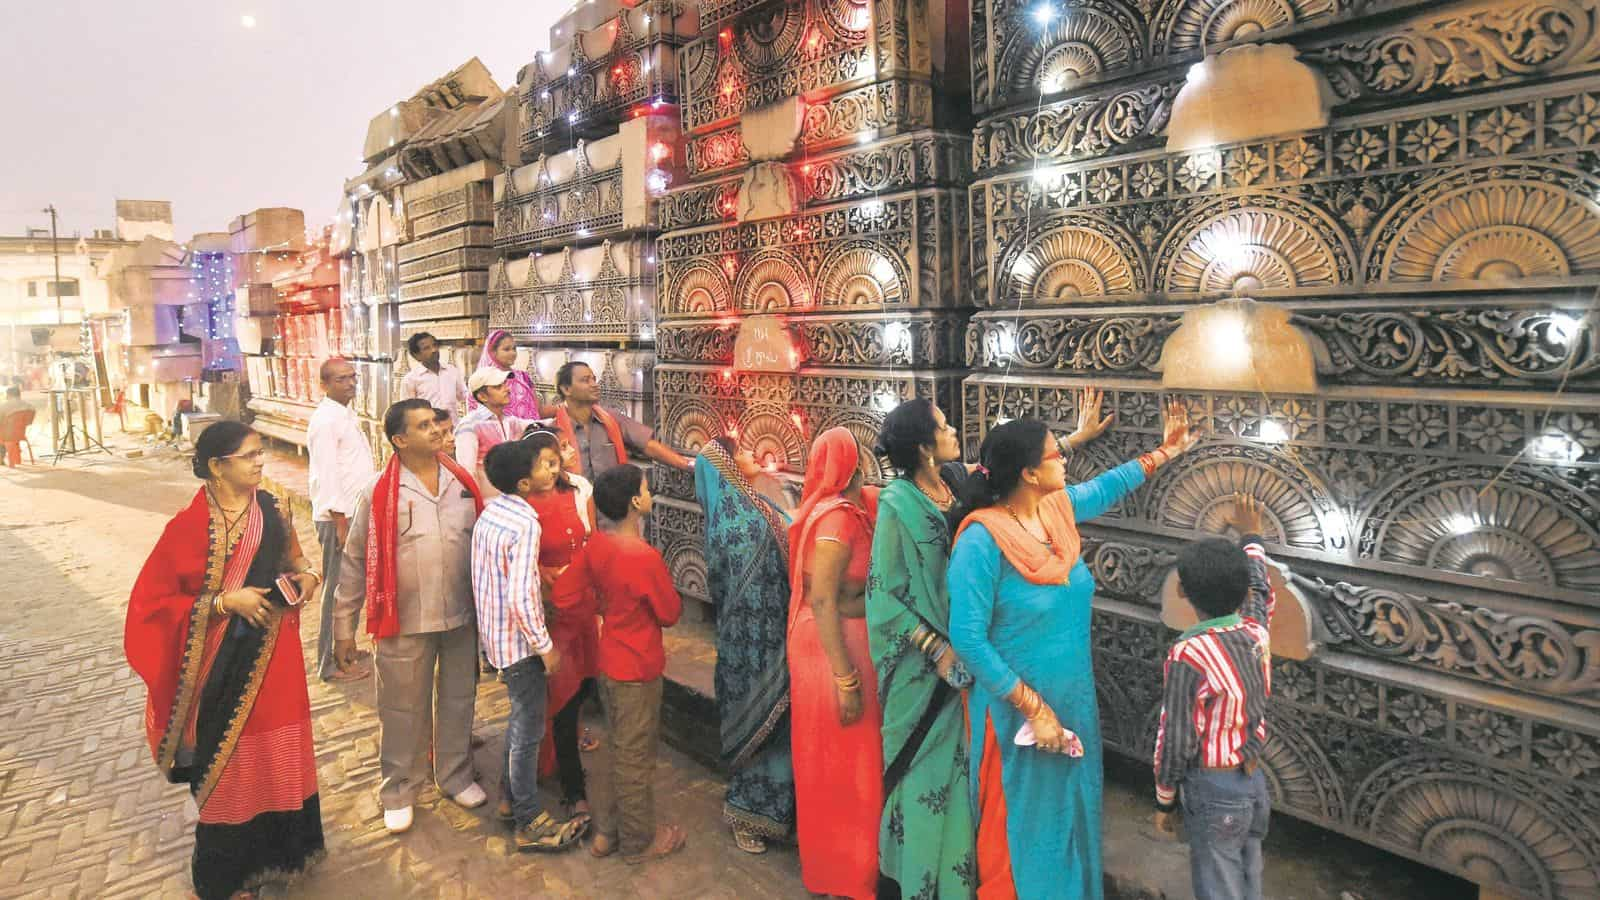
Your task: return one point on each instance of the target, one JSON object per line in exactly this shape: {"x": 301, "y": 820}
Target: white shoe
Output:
{"x": 471, "y": 798}
{"x": 397, "y": 820}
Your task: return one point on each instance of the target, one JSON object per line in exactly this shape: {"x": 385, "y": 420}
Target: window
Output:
{"x": 44, "y": 287}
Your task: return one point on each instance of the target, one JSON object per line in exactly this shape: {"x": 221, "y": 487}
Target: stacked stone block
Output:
{"x": 1436, "y": 495}
{"x": 575, "y": 225}
{"x": 825, "y": 221}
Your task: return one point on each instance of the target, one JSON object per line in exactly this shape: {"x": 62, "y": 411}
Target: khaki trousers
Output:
{"x": 633, "y": 710}
{"x": 426, "y": 679}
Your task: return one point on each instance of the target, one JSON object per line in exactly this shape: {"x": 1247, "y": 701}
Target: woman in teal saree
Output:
{"x": 925, "y": 840}
{"x": 747, "y": 566}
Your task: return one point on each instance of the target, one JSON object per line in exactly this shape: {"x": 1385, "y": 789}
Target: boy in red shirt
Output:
{"x": 634, "y": 597}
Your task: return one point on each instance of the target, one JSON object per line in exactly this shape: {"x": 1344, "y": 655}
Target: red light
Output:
{"x": 727, "y": 374}
{"x": 726, "y": 35}
{"x": 733, "y": 430}
{"x": 806, "y": 168}
{"x": 659, "y": 151}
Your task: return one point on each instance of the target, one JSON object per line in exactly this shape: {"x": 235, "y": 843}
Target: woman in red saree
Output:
{"x": 218, "y": 647}
{"x": 833, "y": 691}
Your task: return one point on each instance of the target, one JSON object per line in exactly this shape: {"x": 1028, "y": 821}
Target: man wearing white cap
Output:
{"x": 487, "y": 425}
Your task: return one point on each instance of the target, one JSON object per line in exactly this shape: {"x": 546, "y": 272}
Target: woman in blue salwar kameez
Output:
{"x": 1020, "y": 607}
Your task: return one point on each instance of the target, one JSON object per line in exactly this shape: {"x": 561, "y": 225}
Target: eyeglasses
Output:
{"x": 1055, "y": 453}
{"x": 253, "y": 456}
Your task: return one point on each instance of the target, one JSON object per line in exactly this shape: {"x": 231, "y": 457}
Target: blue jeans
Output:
{"x": 332, "y": 553}
{"x": 525, "y": 686}
{"x": 1225, "y": 814}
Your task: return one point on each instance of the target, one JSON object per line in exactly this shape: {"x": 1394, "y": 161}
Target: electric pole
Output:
{"x": 55, "y": 251}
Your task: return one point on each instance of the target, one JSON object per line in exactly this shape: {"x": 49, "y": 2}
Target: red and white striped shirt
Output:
{"x": 505, "y": 582}
{"x": 1218, "y": 681}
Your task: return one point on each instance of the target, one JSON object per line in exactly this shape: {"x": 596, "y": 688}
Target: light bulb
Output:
{"x": 897, "y": 335}
{"x": 1555, "y": 447}
{"x": 1563, "y": 328}
{"x": 1461, "y": 523}
{"x": 1272, "y": 431}
{"x": 1044, "y": 13}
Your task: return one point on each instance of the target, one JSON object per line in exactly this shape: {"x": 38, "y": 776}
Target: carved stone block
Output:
{"x": 588, "y": 293}
{"x": 594, "y": 76}
{"x": 601, "y": 189}
{"x": 890, "y": 165}
{"x": 899, "y": 252}
{"x": 777, "y": 416}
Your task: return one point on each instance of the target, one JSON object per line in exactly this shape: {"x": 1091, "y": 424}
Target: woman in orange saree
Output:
{"x": 217, "y": 644}
{"x": 834, "y": 711}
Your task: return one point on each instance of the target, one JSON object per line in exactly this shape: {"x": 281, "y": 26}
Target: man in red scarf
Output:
{"x": 408, "y": 561}
{"x": 602, "y": 437}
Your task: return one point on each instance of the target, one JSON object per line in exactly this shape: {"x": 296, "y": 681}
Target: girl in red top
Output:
{"x": 566, "y": 519}
{"x": 634, "y": 593}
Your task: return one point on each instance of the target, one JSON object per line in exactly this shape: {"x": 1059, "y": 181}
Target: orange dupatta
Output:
{"x": 833, "y": 461}
{"x": 1036, "y": 562}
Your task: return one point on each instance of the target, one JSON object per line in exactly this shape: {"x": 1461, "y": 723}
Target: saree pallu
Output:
{"x": 227, "y": 711}
{"x": 925, "y": 839}
{"x": 747, "y": 568}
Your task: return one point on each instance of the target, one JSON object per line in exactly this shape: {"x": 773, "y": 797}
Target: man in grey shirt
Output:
{"x": 594, "y": 432}
{"x": 429, "y": 520}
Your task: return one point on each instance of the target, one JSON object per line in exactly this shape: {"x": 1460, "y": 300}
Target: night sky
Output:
{"x": 179, "y": 100}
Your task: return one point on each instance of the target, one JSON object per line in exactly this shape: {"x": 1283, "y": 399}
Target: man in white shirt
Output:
{"x": 341, "y": 467}
{"x": 438, "y": 383}
{"x": 480, "y": 430}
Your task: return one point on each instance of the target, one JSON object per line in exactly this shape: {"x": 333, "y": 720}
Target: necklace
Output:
{"x": 1043, "y": 540}
{"x": 944, "y": 503}
{"x": 229, "y": 525}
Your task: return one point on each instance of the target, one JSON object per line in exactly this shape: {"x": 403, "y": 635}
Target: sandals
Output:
{"x": 546, "y": 835}
{"x": 749, "y": 841}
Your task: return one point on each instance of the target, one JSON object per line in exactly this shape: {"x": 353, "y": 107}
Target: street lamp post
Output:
{"x": 55, "y": 251}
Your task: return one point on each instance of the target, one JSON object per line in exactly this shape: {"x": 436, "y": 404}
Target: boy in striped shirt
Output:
{"x": 1213, "y": 715}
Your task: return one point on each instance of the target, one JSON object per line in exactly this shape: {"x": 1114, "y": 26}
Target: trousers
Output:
{"x": 423, "y": 678}
{"x": 633, "y": 710}
{"x": 1225, "y": 815}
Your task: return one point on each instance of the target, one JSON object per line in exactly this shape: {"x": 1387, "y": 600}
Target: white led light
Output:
{"x": 1044, "y": 13}
{"x": 872, "y": 208}
{"x": 1461, "y": 523}
{"x": 897, "y": 335}
{"x": 1272, "y": 431}
{"x": 1555, "y": 447}
{"x": 1563, "y": 328}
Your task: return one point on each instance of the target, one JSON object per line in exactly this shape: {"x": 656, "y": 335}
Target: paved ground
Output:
{"x": 83, "y": 812}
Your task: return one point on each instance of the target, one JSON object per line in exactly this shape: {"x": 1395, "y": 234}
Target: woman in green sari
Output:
{"x": 747, "y": 563}
{"x": 926, "y": 838}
